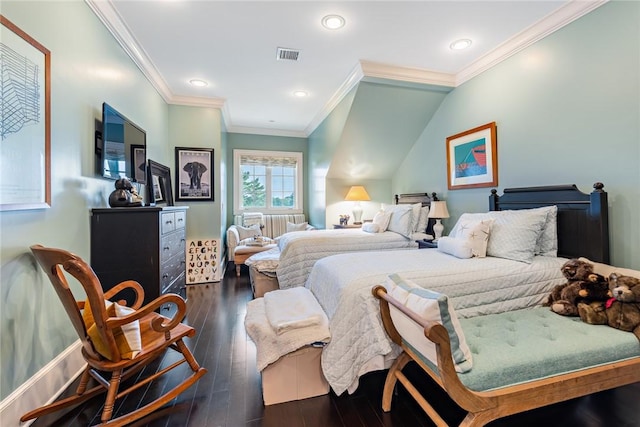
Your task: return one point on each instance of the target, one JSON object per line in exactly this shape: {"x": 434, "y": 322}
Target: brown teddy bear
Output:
{"x": 622, "y": 311}
{"x": 583, "y": 285}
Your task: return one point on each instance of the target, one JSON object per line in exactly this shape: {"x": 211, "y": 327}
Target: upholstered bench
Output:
{"x": 269, "y": 226}
{"x": 520, "y": 360}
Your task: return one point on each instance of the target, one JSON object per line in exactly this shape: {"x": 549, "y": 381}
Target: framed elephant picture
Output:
{"x": 194, "y": 174}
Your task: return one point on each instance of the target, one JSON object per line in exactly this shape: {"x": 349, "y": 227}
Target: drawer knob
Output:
{"x": 166, "y": 248}
{"x": 165, "y": 275}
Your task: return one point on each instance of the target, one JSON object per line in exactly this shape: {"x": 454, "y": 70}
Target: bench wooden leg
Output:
{"x": 392, "y": 378}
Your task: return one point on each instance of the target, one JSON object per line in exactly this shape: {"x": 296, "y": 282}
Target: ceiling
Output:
{"x": 232, "y": 45}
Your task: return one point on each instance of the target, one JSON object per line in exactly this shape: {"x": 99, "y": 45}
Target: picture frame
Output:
{"x": 26, "y": 138}
{"x": 194, "y": 174}
{"x": 159, "y": 184}
{"x": 472, "y": 158}
{"x": 138, "y": 164}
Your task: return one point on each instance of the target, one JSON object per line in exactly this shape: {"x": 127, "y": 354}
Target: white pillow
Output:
{"x": 415, "y": 216}
{"x": 476, "y": 233}
{"x": 381, "y": 219}
{"x": 246, "y": 232}
{"x": 400, "y": 221}
{"x": 423, "y": 220}
{"x": 459, "y": 248}
{"x": 371, "y": 227}
{"x": 431, "y": 306}
{"x": 547, "y": 244}
{"x": 514, "y": 233}
{"x": 296, "y": 227}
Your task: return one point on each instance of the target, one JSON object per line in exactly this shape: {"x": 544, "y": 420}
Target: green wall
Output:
{"x": 88, "y": 67}
{"x": 568, "y": 112}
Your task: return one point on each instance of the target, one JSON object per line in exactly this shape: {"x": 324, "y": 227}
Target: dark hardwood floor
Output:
{"x": 230, "y": 393}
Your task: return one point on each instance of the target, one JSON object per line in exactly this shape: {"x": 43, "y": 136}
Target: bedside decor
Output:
{"x": 472, "y": 158}
{"x": 438, "y": 211}
{"x": 357, "y": 193}
{"x": 159, "y": 184}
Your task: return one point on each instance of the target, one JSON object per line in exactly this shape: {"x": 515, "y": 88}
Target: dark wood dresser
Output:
{"x": 145, "y": 244}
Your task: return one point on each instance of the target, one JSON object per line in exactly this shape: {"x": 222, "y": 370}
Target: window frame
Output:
{"x": 238, "y": 209}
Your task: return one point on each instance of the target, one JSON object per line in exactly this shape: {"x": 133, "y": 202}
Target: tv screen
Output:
{"x": 124, "y": 147}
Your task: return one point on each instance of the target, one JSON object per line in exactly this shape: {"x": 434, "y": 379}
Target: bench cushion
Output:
{"x": 524, "y": 345}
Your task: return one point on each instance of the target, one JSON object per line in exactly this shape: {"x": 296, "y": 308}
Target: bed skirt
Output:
{"x": 262, "y": 283}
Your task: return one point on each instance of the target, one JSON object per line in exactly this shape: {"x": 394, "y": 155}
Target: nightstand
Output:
{"x": 426, "y": 244}
{"x": 338, "y": 226}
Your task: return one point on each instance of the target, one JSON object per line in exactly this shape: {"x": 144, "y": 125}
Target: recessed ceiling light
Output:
{"x": 333, "y": 22}
{"x": 198, "y": 83}
{"x": 460, "y": 44}
{"x": 300, "y": 93}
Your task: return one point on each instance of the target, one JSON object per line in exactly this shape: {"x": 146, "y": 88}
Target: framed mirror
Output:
{"x": 159, "y": 184}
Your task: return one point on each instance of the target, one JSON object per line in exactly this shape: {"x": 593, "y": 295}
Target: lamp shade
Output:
{"x": 357, "y": 193}
{"x": 438, "y": 210}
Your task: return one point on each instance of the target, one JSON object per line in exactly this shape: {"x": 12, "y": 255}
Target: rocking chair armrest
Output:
{"x": 131, "y": 284}
{"x": 157, "y": 324}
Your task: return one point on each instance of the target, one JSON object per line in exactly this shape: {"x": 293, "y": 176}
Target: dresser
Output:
{"x": 145, "y": 244}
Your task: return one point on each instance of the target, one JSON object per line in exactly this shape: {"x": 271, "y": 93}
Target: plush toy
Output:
{"x": 583, "y": 285}
{"x": 622, "y": 311}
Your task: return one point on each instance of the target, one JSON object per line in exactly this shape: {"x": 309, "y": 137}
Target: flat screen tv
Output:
{"x": 122, "y": 147}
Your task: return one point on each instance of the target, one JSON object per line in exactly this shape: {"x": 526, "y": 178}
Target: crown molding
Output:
{"x": 407, "y": 74}
{"x": 266, "y": 131}
{"x": 541, "y": 29}
{"x": 351, "y": 81}
{"x": 197, "y": 101}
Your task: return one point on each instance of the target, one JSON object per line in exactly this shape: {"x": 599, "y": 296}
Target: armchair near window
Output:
{"x": 117, "y": 341}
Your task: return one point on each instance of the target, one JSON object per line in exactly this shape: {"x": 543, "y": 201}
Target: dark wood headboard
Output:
{"x": 424, "y": 198}
{"x": 583, "y": 219}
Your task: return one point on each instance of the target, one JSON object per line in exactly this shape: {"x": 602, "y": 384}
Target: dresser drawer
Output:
{"x": 168, "y": 222}
{"x": 180, "y": 219}
{"x": 170, "y": 270}
{"x": 172, "y": 245}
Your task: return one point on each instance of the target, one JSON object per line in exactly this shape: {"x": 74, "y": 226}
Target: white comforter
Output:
{"x": 342, "y": 285}
{"x": 300, "y": 250}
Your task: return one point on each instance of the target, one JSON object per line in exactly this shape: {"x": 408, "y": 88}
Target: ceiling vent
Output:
{"x": 285, "y": 54}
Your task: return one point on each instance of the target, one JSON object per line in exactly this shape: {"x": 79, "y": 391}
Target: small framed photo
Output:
{"x": 472, "y": 158}
{"x": 194, "y": 174}
{"x": 159, "y": 184}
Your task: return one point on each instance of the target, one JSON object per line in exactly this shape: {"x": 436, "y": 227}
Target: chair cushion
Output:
{"x": 243, "y": 250}
{"x": 127, "y": 336}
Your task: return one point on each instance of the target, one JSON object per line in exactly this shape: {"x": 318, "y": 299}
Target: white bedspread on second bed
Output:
{"x": 300, "y": 250}
{"x": 342, "y": 285}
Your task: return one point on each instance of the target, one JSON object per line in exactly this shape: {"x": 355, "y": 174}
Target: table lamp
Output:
{"x": 357, "y": 193}
{"x": 438, "y": 210}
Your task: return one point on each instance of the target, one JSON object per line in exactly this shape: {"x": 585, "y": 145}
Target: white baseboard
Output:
{"x": 42, "y": 388}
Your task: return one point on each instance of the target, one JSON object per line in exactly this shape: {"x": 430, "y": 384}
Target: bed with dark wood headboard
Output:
{"x": 341, "y": 282}
{"x": 583, "y": 220}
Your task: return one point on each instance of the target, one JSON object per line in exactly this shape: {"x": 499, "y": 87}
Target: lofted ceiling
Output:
{"x": 232, "y": 46}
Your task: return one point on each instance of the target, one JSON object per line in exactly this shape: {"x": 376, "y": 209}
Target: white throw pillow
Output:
{"x": 415, "y": 216}
{"x": 459, "y": 248}
{"x": 431, "y": 306}
{"x": 381, "y": 219}
{"x": 547, "y": 244}
{"x": 423, "y": 221}
{"x": 296, "y": 227}
{"x": 246, "y": 232}
{"x": 371, "y": 227}
{"x": 476, "y": 233}
{"x": 400, "y": 221}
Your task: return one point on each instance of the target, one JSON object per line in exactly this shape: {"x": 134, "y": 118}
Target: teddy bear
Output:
{"x": 583, "y": 285}
{"x": 621, "y": 311}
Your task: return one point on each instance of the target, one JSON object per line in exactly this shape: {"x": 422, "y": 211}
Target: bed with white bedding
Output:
{"x": 342, "y": 285}
{"x": 543, "y": 226}
{"x": 300, "y": 250}
{"x": 398, "y": 226}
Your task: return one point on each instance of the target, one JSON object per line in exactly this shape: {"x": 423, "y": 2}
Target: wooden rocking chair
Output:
{"x": 157, "y": 333}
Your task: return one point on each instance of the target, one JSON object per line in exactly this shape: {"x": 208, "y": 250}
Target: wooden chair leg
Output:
{"x": 193, "y": 364}
{"x": 390, "y": 382}
{"x": 114, "y": 384}
{"x": 84, "y": 380}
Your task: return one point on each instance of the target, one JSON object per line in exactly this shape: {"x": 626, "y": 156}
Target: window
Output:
{"x": 267, "y": 181}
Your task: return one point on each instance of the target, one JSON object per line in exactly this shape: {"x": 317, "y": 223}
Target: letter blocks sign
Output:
{"x": 203, "y": 261}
